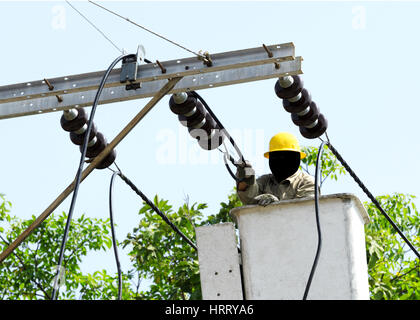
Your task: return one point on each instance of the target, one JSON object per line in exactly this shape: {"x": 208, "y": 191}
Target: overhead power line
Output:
{"x": 148, "y": 30}
{"x": 97, "y": 29}
{"x": 372, "y": 198}
{"x": 157, "y": 210}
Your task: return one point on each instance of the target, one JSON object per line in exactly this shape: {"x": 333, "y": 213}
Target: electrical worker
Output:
{"x": 286, "y": 181}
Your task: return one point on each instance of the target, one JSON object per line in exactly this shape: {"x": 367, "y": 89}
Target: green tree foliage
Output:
{"x": 170, "y": 265}
{"x": 29, "y": 271}
{"x": 394, "y": 271}
{"x": 161, "y": 255}
{"x": 330, "y": 167}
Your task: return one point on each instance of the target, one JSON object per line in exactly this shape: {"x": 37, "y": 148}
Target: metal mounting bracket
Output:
{"x": 129, "y": 69}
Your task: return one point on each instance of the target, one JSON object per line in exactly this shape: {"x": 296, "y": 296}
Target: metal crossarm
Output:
{"x": 227, "y": 68}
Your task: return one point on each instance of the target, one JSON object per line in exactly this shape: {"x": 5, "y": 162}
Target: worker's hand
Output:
{"x": 245, "y": 174}
{"x": 266, "y": 199}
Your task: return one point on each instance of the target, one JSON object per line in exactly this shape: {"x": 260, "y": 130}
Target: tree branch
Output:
{"x": 416, "y": 267}
{"x": 25, "y": 268}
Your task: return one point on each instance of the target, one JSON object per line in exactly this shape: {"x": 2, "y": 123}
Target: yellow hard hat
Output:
{"x": 284, "y": 141}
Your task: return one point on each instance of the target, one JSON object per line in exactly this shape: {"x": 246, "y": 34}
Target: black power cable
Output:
{"x": 225, "y": 156}
{"x": 365, "y": 190}
{"x": 372, "y": 198}
{"x": 80, "y": 170}
{"x": 151, "y": 204}
{"x": 318, "y": 225}
{"x": 156, "y": 209}
{"x": 222, "y": 128}
{"x": 114, "y": 241}
{"x": 226, "y": 133}
{"x": 138, "y": 192}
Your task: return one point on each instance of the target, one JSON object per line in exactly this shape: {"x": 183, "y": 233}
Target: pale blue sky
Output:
{"x": 360, "y": 64}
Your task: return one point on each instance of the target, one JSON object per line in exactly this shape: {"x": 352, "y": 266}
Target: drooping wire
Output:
{"x": 156, "y": 209}
{"x": 326, "y": 135}
{"x": 318, "y": 225}
{"x": 114, "y": 241}
{"x": 223, "y": 131}
{"x": 111, "y": 215}
{"x": 222, "y": 128}
{"x": 148, "y": 30}
{"x": 372, "y": 198}
{"x": 97, "y": 29}
{"x": 227, "y": 156}
{"x": 80, "y": 170}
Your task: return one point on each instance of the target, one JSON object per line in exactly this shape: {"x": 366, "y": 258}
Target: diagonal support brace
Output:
{"x": 162, "y": 92}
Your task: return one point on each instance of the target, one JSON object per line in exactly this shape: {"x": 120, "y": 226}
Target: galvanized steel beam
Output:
{"x": 227, "y": 68}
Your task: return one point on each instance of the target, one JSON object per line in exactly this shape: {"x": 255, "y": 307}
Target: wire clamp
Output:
{"x": 205, "y": 57}
{"x": 129, "y": 69}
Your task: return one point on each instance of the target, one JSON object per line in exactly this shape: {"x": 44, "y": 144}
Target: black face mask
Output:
{"x": 283, "y": 164}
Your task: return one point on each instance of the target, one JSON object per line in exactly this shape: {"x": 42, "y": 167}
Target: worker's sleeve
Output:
{"x": 306, "y": 187}
{"x": 248, "y": 196}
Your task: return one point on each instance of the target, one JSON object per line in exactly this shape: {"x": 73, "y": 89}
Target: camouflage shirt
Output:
{"x": 298, "y": 185}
